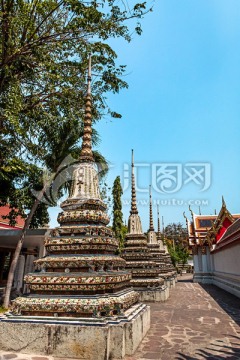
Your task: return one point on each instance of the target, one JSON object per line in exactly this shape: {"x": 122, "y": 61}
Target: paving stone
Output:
{"x": 197, "y": 322}
{"x": 151, "y": 355}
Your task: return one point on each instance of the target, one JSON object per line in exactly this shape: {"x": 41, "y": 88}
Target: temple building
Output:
{"x": 33, "y": 248}
{"x": 215, "y": 244}
{"x": 159, "y": 250}
{"x": 139, "y": 259}
{"x": 80, "y": 286}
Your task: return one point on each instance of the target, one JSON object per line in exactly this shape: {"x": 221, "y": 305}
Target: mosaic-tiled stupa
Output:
{"x": 158, "y": 250}
{"x": 80, "y": 276}
{"x": 137, "y": 255}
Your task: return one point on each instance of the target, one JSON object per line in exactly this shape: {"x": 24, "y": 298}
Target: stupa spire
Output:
{"x": 86, "y": 152}
{"x": 151, "y": 226}
{"x": 133, "y": 196}
{"x": 159, "y": 230}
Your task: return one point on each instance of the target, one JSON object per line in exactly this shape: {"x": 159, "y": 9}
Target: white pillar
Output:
{"x": 29, "y": 264}
{"x": 200, "y": 264}
{"x": 209, "y": 261}
{"x": 196, "y": 263}
{"x": 204, "y": 264}
{"x": 18, "y": 277}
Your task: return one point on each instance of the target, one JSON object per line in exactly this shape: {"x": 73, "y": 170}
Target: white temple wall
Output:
{"x": 226, "y": 273}
{"x": 221, "y": 268}
{"x": 227, "y": 260}
{"x": 204, "y": 264}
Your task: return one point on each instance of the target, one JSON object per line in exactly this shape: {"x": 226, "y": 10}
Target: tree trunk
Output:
{"x": 19, "y": 247}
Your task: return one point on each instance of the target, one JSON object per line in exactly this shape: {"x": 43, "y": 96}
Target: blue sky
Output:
{"x": 182, "y": 105}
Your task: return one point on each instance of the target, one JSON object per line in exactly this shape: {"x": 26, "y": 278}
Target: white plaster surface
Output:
{"x": 112, "y": 341}
{"x": 222, "y": 270}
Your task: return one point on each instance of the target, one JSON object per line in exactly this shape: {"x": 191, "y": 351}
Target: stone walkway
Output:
{"x": 197, "y": 322}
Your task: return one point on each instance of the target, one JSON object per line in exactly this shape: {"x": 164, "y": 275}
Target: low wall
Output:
{"x": 112, "y": 340}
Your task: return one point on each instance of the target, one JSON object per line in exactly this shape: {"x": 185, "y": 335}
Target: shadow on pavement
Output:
{"x": 228, "y": 302}
{"x": 223, "y": 351}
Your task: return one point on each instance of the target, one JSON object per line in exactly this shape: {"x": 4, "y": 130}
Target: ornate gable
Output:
{"x": 220, "y": 225}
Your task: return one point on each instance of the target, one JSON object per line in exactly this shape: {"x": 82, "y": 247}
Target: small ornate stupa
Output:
{"x": 80, "y": 304}
{"x": 81, "y": 276}
{"x": 138, "y": 257}
{"x": 158, "y": 249}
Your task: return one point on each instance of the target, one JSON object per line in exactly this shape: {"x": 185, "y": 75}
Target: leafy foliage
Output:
{"x": 176, "y": 232}
{"x": 44, "y": 47}
{"x": 176, "y": 239}
{"x": 44, "y": 50}
{"x": 178, "y": 253}
{"x": 118, "y": 226}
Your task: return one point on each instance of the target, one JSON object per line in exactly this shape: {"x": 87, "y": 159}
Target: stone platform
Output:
{"x": 98, "y": 339}
{"x": 154, "y": 295}
{"x": 170, "y": 282}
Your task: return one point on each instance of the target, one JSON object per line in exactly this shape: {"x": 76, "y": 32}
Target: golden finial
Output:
{"x": 185, "y": 217}
{"x": 223, "y": 202}
{"x": 191, "y": 211}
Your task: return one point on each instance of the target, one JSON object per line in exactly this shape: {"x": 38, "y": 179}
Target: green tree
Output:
{"x": 118, "y": 226}
{"x": 44, "y": 47}
{"x": 178, "y": 253}
{"x": 173, "y": 254}
{"x": 176, "y": 233}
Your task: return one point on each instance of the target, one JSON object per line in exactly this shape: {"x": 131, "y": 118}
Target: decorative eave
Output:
{"x": 223, "y": 214}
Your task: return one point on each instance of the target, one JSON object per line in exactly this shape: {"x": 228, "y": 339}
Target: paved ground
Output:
{"x": 197, "y": 322}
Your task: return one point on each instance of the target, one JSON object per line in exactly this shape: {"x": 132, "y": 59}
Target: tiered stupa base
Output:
{"x": 139, "y": 261}
{"x": 159, "y": 295}
{"x": 81, "y": 338}
{"x": 166, "y": 270}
